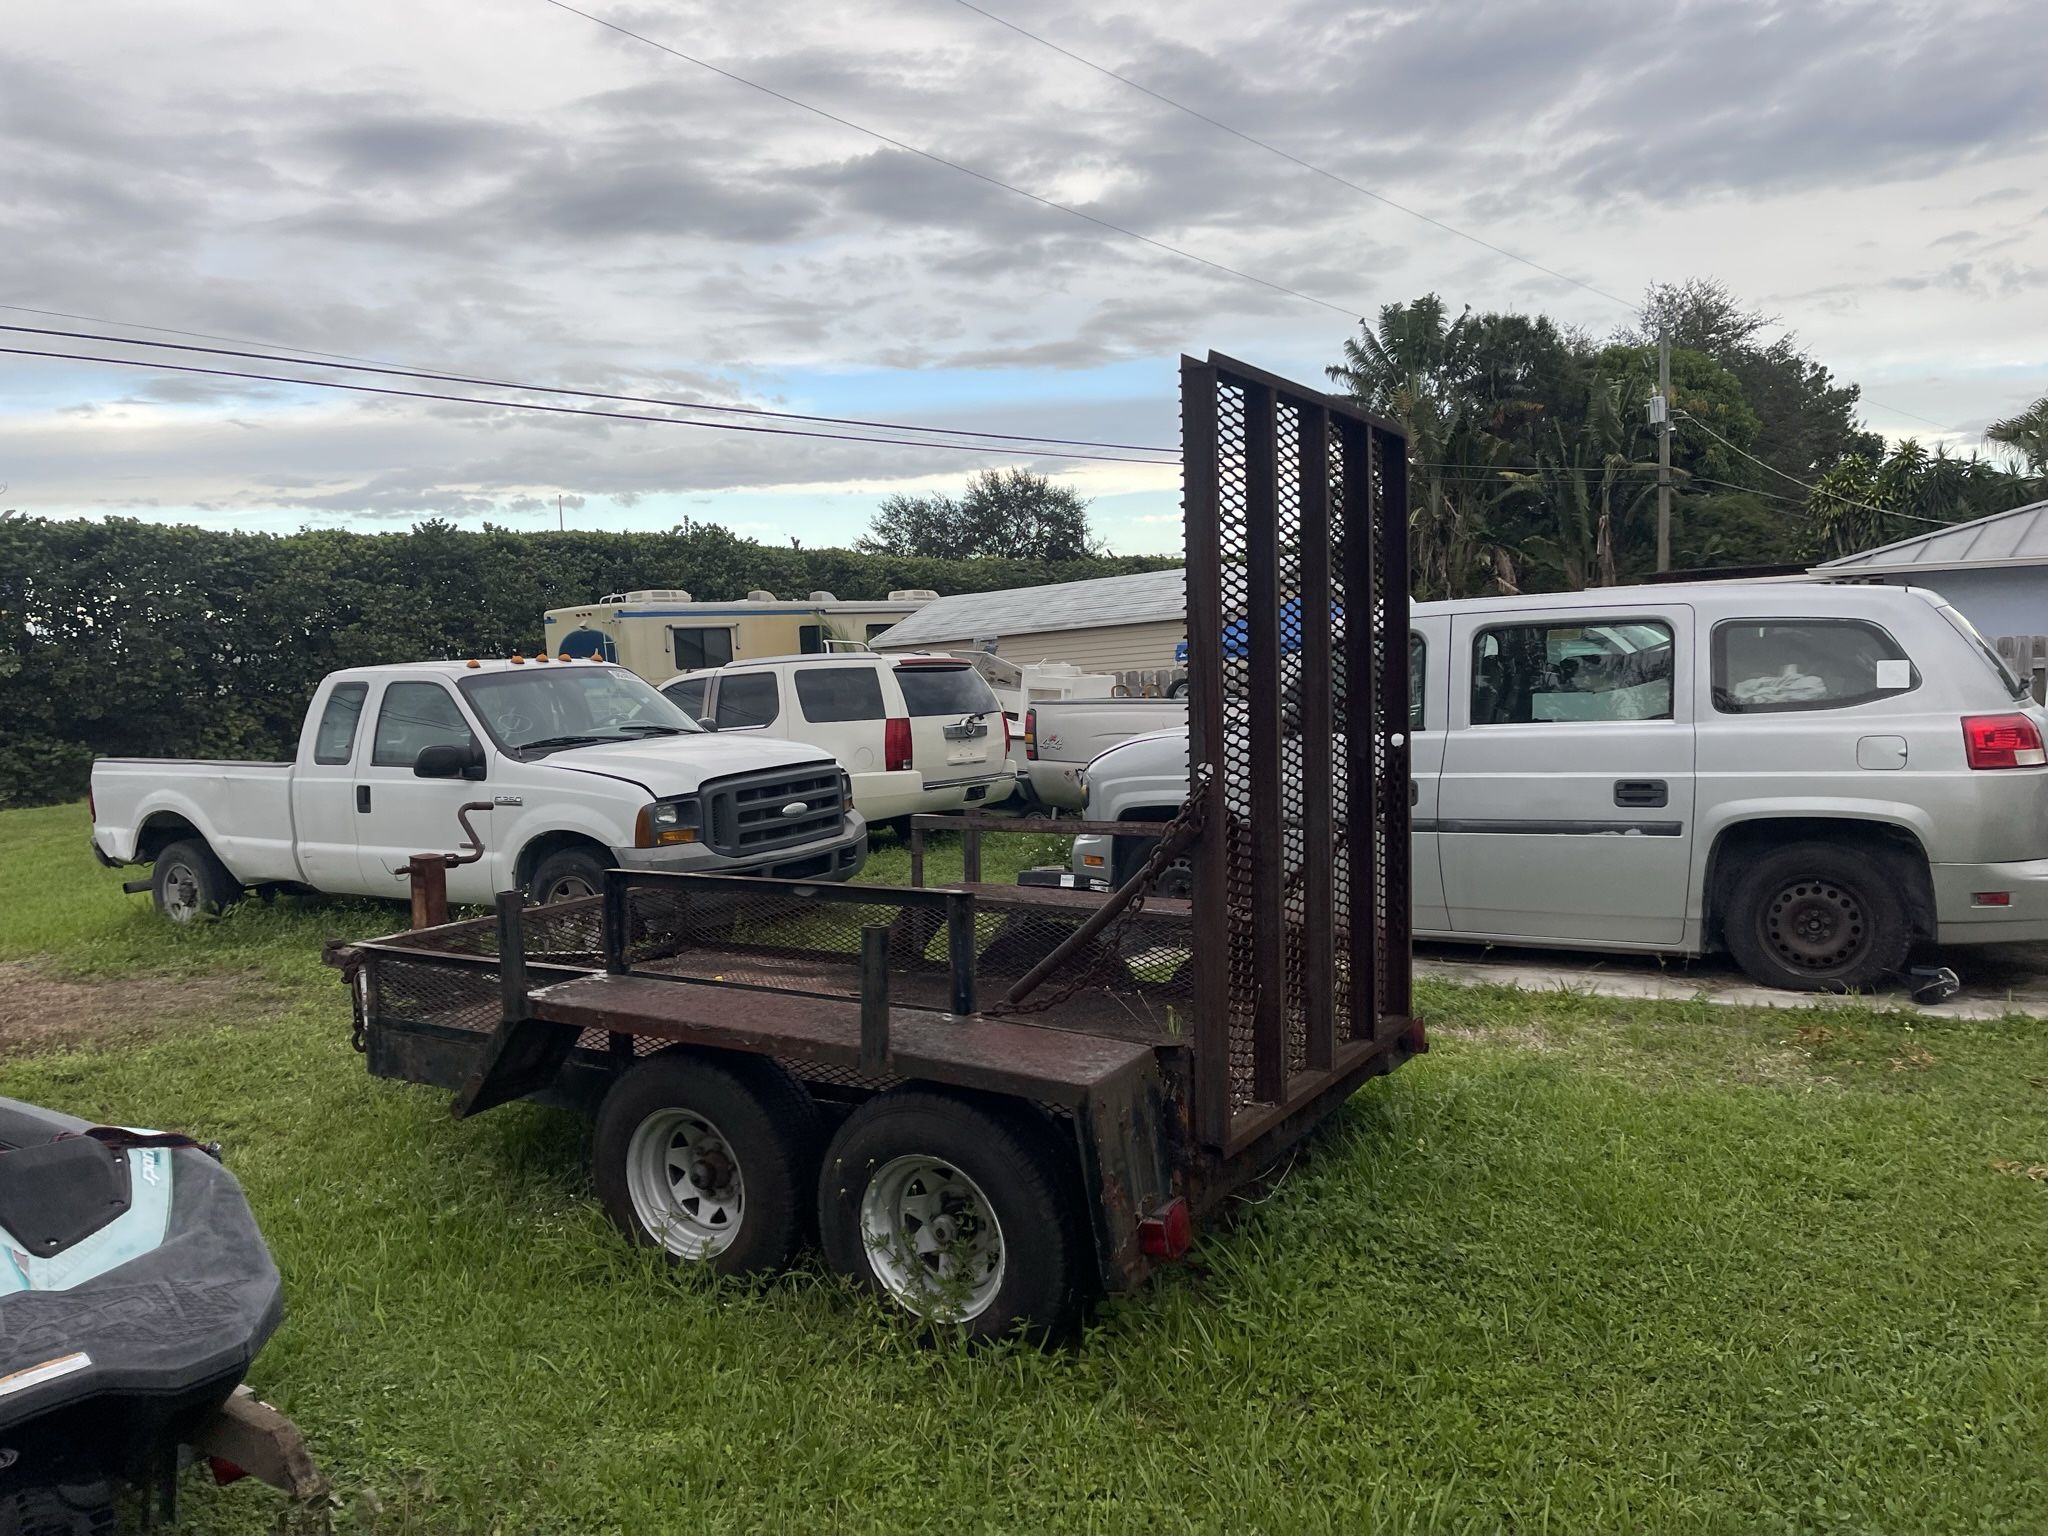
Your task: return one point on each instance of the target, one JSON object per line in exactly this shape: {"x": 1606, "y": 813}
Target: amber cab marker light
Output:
{"x": 472, "y": 664}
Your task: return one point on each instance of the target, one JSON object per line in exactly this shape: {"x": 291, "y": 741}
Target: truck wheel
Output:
{"x": 85, "y": 1509}
{"x": 1176, "y": 881}
{"x": 189, "y": 883}
{"x": 708, "y": 1160}
{"x": 566, "y": 874}
{"x": 1817, "y": 917}
{"x": 954, "y": 1213}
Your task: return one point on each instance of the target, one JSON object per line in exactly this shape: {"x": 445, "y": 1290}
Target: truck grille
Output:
{"x": 745, "y": 815}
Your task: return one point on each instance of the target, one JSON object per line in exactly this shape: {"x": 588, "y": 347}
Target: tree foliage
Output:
{"x": 1533, "y": 464}
{"x": 1004, "y": 514}
{"x": 124, "y": 638}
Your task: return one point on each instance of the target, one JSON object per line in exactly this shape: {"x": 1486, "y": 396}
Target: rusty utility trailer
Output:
{"x": 991, "y": 1101}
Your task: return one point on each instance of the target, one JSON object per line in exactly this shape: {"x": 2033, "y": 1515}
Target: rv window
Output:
{"x": 746, "y": 699}
{"x": 838, "y": 693}
{"x": 697, "y": 648}
{"x": 880, "y": 629}
{"x": 810, "y": 638}
{"x": 336, "y": 739}
{"x": 414, "y": 716}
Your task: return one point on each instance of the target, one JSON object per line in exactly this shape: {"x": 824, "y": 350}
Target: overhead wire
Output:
{"x": 1294, "y": 159}
{"x": 582, "y": 394}
{"x": 1810, "y": 489}
{"x": 161, "y": 365}
{"x": 1350, "y": 312}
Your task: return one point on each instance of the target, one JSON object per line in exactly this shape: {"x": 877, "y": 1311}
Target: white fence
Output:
{"x": 2028, "y": 656}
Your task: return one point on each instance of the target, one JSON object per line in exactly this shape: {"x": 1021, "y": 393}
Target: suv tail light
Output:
{"x": 2002, "y": 741}
{"x": 1030, "y": 733}
{"x": 896, "y": 744}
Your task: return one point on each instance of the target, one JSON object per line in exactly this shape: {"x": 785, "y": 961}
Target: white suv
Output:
{"x": 1812, "y": 777}
{"x": 917, "y": 733}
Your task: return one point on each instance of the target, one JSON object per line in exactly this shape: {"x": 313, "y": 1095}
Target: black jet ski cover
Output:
{"x": 135, "y": 1290}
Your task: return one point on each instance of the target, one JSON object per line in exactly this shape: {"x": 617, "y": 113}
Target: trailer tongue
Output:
{"x": 999, "y": 1100}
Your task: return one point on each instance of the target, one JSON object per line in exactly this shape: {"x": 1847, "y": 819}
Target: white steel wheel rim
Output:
{"x": 181, "y": 893}
{"x": 932, "y": 1238}
{"x": 685, "y": 1184}
{"x": 567, "y": 888}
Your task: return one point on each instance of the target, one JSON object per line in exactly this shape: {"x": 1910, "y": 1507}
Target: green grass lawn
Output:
{"x": 1589, "y": 1265}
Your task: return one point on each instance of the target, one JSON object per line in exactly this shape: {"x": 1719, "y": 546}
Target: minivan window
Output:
{"x": 2006, "y": 675}
{"x": 1585, "y": 670}
{"x": 413, "y": 717}
{"x": 702, "y": 647}
{"x": 1418, "y": 654}
{"x": 335, "y": 741}
{"x": 838, "y": 693}
{"x": 747, "y": 699}
{"x": 960, "y": 690}
{"x": 1772, "y": 666}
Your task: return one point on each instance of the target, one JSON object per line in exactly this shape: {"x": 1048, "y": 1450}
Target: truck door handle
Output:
{"x": 1414, "y": 792}
{"x": 1637, "y": 793}
{"x": 363, "y": 797}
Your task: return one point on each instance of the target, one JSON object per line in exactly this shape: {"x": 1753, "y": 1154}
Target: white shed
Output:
{"x": 1110, "y": 624}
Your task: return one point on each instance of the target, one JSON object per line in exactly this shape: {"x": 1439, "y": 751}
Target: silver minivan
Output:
{"x": 1809, "y": 776}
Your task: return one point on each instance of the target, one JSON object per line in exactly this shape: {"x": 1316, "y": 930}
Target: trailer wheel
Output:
{"x": 50, "y": 1510}
{"x": 956, "y": 1214}
{"x": 189, "y": 883}
{"x": 709, "y": 1160}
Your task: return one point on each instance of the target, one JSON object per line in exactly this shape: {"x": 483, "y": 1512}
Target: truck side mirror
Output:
{"x": 448, "y": 760}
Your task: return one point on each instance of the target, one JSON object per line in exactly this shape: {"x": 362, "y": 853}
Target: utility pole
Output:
{"x": 1660, "y": 413}
{"x": 560, "y": 526}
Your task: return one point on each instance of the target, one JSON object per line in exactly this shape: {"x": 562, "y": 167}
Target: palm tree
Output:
{"x": 2026, "y": 436}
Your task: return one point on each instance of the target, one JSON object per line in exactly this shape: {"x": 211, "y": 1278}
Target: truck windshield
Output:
{"x": 548, "y": 709}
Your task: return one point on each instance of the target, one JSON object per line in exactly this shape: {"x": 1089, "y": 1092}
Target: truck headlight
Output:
{"x": 669, "y": 821}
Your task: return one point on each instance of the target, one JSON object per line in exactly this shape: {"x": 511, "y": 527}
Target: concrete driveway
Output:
{"x": 1997, "y": 979}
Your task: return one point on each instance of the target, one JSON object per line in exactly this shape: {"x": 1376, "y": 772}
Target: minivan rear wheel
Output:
{"x": 1818, "y": 917}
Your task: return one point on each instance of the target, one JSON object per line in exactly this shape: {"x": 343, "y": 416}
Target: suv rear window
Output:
{"x": 1774, "y": 666}
{"x": 929, "y": 690}
{"x": 838, "y": 693}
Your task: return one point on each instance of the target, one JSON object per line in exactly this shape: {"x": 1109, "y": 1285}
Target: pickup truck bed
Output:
{"x": 1061, "y": 737}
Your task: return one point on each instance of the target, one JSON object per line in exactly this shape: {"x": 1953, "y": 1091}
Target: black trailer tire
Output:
{"x": 1818, "y": 917}
{"x": 567, "y": 874}
{"x": 954, "y": 1212}
{"x": 189, "y": 884}
{"x": 709, "y": 1158}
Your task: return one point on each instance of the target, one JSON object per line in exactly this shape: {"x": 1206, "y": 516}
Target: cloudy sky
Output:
{"x": 512, "y": 190}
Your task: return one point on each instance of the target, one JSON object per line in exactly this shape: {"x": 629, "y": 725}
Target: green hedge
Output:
{"x": 124, "y": 638}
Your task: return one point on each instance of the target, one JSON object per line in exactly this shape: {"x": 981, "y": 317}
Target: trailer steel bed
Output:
{"x": 1145, "y": 1055}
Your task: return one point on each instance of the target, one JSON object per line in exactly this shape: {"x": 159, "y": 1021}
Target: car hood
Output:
{"x": 680, "y": 765}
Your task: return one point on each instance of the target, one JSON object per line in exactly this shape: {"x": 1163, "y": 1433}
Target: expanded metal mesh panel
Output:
{"x": 421, "y": 992}
{"x": 563, "y": 933}
{"x": 1296, "y": 525}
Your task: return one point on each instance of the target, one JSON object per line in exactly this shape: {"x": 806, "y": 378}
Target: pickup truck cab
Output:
{"x": 1810, "y": 776}
{"x": 585, "y": 767}
{"x": 919, "y": 733}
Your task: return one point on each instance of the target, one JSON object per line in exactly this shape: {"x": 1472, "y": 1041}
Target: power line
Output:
{"x": 581, "y": 394}
{"x": 1348, "y": 311}
{"x": 1811, "y": 490}
{"x": 1306, "y": 165}
{"x": 530, "y": 405}
{"x": 165, "y": 330}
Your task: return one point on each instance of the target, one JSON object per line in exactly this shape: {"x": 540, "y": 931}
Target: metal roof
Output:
{"x": 2018, "y": 537}
{"x": 1149, "y": 597}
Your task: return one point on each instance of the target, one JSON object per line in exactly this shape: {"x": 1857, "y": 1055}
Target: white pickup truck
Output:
{"x": 1062, "y": 736}
{"x": 585, "y": 767}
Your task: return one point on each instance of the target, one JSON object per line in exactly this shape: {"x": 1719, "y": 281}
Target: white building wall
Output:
{"x": 1099, "y": 648}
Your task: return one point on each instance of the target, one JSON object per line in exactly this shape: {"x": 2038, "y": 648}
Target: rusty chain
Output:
{"x": 1188, "y": 819}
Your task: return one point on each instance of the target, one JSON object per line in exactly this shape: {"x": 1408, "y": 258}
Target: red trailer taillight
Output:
{"x": 2002, "y": 741}
{"x": 896, "y": 744}
{"x": 1168, "y": 1232}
